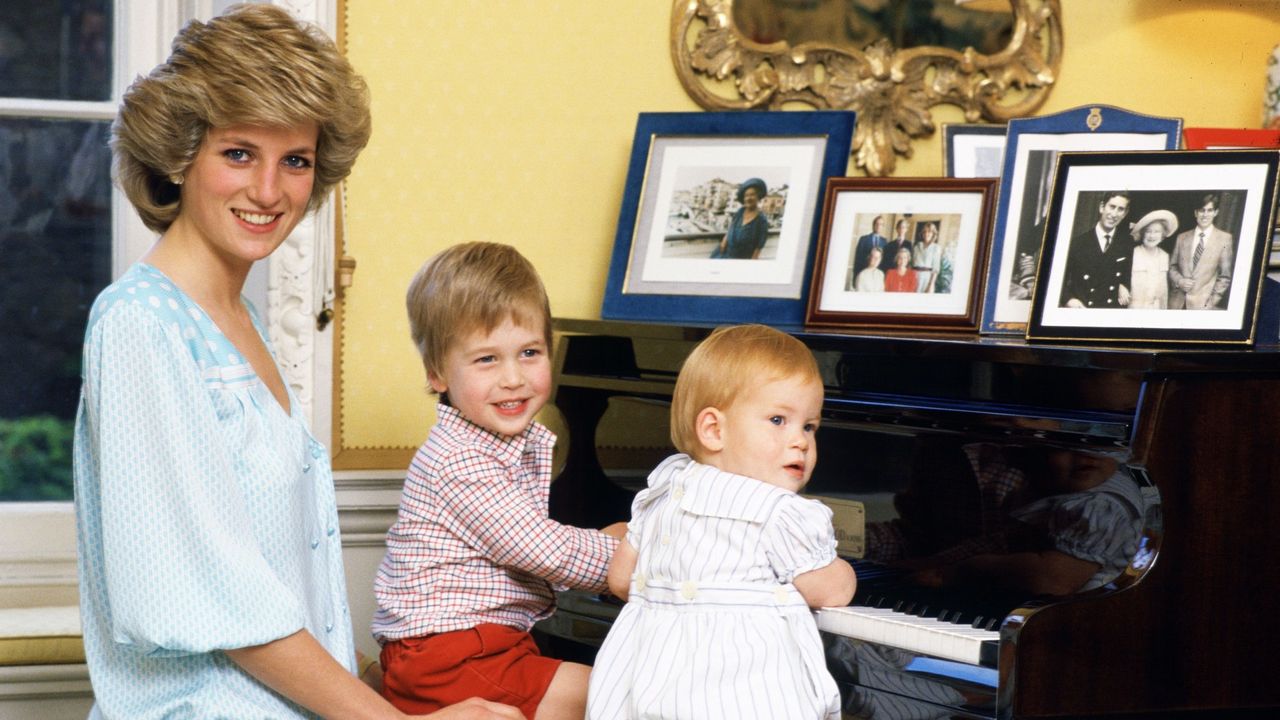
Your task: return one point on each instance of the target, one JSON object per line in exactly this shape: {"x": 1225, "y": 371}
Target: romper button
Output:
{"x": 780, "y": 594}
{"x": 679, "y": 493}
{"x": 689, "y": 589}
{"x": 640, "y": 582}
{"x": 666, "y": 539}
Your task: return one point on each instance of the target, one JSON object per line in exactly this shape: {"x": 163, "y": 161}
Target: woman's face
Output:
{"x": 1153, "y": 234}
{"x": 247, "y": 189}
{"x": 930, "y": 234}
{"x": 750, "y": 198}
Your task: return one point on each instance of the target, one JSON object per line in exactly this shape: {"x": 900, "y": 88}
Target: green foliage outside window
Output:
{"x": 35, "y": 458}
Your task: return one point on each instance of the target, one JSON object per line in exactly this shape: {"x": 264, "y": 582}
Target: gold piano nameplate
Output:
{"x": 850, "y": 520}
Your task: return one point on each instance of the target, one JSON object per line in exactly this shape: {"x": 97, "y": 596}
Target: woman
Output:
{"x": 901, "y": 278}
{"x": 748, "y": 227}
{"x": 926, "y": 258}
{"x": 1149, "y": 275}
{"x": 211, "y": 577}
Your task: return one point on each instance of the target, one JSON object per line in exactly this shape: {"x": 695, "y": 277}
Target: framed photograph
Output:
{"x": 902, "y": 252}
{"x": 1156, "y": 247}
{"x": 972, "y": 150}
{"x": 1203, "y": 138}
{"x": 1025, "y": 185}
{"x": 718, "y": 218}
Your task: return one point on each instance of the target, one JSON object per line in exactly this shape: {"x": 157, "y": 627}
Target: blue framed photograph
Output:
{"x": 972, "y": 150}
{"x": 1167, "y": 246}
{"x": 1026, "y": 183}
{"x": 719, "y": 215}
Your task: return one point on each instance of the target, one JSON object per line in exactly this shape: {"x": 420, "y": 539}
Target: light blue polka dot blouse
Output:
{"x": 206, "y": 516}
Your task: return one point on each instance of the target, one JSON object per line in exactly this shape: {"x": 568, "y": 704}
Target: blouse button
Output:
{"x": 306, "y": 468}
{"x": 314, "y": 543}
{"x": 689, "y": 589}
{"x": 330, "y": 531}
{"x": 315, "y": 450}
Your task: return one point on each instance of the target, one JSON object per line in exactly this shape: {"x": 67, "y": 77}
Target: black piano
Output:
{"x": 947, "y": 449}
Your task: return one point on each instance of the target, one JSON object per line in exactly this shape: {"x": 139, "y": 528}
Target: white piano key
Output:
{"x": 927, "y": 636}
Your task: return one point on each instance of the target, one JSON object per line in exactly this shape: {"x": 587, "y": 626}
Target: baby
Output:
{"x": 723, "y": 560}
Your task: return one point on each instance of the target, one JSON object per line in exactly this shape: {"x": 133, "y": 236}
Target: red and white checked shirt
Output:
{"x": 472, "y": 542}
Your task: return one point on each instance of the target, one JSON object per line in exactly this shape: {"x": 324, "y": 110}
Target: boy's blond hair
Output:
{"x": 731, "y": 361}
{"x": 472, "y": 287}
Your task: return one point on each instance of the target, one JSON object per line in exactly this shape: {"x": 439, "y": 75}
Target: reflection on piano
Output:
{"x": 1050, "y": 531}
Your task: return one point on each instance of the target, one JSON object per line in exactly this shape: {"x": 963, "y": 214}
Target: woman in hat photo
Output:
{"x": 748, "y": 228}
{"x": 1149, "y": 280}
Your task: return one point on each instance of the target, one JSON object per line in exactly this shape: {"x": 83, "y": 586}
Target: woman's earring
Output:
{"x": 175, "y": 179}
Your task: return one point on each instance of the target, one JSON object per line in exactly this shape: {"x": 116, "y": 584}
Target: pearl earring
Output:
{"x": 175, "y": 179}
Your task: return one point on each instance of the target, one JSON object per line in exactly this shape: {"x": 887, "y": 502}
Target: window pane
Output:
{"x": 55, "y": 256}
{"x": 56, "y": 49}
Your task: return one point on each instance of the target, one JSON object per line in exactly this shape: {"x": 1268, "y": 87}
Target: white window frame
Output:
{"x": 37, "y": 540}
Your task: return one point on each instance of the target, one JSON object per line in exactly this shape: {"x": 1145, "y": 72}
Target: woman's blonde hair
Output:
{"x": 730, "y": 361}
{"x": 253, "y": 65}
{"x": 473, "y": 287}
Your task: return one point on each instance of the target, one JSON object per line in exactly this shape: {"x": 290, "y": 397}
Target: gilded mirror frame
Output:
{"x": 892, "y": 89}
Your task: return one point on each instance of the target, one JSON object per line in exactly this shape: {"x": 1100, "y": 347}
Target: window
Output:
{"x": 66, "y": 232}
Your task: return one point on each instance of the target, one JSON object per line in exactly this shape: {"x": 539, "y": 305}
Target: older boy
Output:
{"x": 472, "y": 557}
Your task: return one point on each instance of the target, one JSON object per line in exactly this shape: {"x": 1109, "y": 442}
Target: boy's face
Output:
{"x": 498, "y": 380}
{"x": 769, "y": 433}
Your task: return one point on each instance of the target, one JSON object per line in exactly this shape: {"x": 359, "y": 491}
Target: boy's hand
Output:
{"x": 616, "y": 530}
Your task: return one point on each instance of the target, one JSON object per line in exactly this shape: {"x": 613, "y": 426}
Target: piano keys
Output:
{"x": 1160, "y": 621}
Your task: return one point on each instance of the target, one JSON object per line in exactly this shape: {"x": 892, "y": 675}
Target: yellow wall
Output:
{"x": 511, "y": 121}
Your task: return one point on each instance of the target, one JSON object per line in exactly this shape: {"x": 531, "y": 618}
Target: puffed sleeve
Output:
{"x": 1097, "y": 527}
{"x": 184, "y": 571}
{"x": 799, "y": 537}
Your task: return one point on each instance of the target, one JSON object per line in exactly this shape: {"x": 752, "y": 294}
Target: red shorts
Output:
{"x": 493, "y": 662}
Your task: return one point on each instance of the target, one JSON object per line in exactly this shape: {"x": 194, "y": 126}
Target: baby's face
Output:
{"x": 1071, "y": 471}
{"x": 769, "y": 433}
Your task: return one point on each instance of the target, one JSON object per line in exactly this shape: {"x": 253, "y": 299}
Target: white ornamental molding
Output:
{"x": 298, "y": 274}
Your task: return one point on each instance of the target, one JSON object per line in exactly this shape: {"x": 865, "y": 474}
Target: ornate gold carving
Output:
{"x": 892, "y": 89}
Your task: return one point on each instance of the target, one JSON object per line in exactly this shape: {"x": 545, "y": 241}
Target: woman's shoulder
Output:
{"x": 144, "y": 298}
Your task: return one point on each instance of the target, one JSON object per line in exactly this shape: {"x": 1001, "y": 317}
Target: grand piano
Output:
{"x": 1180, "y": 626}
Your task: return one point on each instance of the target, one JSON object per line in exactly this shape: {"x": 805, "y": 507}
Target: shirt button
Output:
{"x": 689, "y": 589}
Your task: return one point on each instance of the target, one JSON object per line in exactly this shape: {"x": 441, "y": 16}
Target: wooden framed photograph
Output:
{"x": 902, "y": 252}
{"x": 1025, "y": 185}
{"x": 972, "y": 150}
{"x": 1205, "y": 138}
{"x": 1166, "y": 247}
{"x": 719, "y": 215}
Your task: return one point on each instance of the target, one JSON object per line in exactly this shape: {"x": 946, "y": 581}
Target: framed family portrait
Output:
{"x": 972, "y": 150}
{"x": 1162, "y": 247}
{"x": 1031, "y": 149}
{"x": 902, "y": 252}
{"x": 718, "y": 217}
